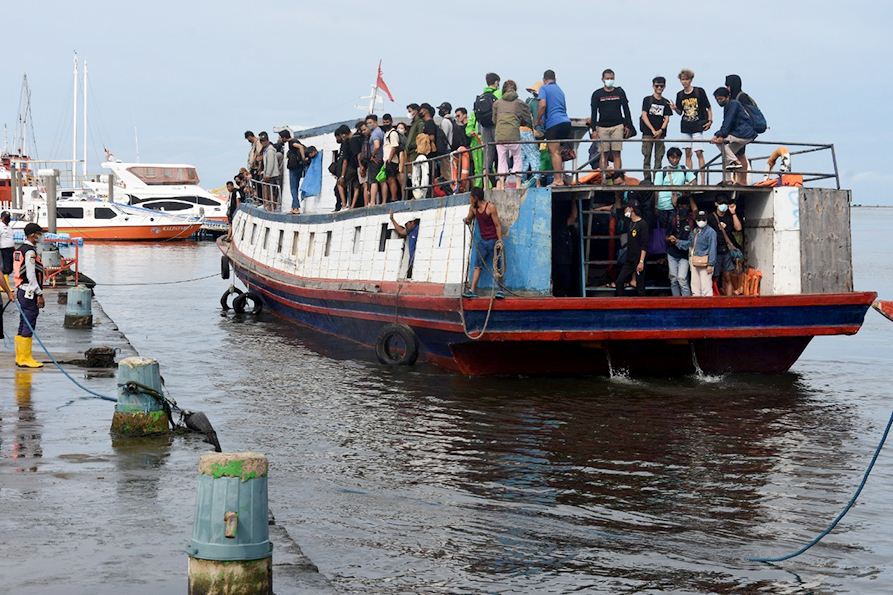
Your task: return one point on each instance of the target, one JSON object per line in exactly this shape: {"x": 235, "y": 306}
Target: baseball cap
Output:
{"x": 428, "y": 108}
{"x": 445, "y": 106}
{"x": 33, "y": 228}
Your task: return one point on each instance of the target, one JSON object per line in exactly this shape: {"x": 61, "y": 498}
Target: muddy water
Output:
{"x": 418, "y": 480}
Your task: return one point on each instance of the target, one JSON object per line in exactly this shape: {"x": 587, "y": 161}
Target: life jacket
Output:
{"x": 18, "y": 264}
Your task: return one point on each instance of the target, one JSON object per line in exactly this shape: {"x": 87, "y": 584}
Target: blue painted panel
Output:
{"x": 528, "y": 246}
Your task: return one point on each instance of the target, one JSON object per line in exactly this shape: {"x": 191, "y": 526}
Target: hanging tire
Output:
{"x": 224, "y": 267}
{"x": 224, "y": 299}
{"x": 397, "y": 345}
{"x": 241, "y": 303}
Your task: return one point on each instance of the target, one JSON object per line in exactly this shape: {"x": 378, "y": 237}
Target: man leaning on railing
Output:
{"x": 736, "y": 132}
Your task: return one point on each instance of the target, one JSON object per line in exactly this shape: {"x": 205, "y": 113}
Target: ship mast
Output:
{"x": 84, "y": 167}
{"x": 74, "y": 141}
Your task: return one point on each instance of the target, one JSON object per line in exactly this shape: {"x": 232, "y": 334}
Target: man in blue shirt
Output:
{"x": 553, "y": 113}
{"x": 736, "y": 132}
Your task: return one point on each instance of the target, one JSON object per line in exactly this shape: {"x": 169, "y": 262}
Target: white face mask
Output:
{"x": 702, "y": 224}
{"x": 609, "y": 83}
{"x": 722, "y": 208}
{"x": 628, "y": 214}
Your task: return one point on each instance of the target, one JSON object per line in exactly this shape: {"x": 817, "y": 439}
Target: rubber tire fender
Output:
{"x": 239, "y": 303}
{"x": 224, "y": 267}
{"x": 224, "y": 299}
{"x": 409, "y": 338}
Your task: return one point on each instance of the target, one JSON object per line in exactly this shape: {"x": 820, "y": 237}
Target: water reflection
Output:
{"x": 27, "y": 428}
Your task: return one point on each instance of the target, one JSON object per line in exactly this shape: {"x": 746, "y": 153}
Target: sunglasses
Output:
{"x": 659, "y": 86}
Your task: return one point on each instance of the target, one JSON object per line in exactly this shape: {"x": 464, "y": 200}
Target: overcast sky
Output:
{"x": 193, "y": 76}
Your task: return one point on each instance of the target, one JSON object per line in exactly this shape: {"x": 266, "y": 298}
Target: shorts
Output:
{"x": 724, "y": 262}
{"x": 610, "y": 138}
{"x": 391, "y": 169}
{"x": 559, "y": 132}
{"x": 364, "y": 177}
{"x": 692, "y": 137}
{"x": 372, "y": 170}
{"x": 485, "y": 254}
{"x": 350, "y": 178}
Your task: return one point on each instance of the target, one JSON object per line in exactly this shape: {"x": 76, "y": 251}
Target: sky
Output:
{"x": 193, "y": 76}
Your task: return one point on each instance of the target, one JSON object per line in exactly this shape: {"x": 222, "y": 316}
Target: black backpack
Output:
{"x": 483, "y": 108}
{"x": 401, "y": 140}
{"x": 440, "y": 142}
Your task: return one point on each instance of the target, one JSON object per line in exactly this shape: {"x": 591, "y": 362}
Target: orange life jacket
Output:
{"x": 18, "y": 265}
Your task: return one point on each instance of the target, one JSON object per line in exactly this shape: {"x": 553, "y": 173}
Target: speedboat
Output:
{"x": 168, "y": 187}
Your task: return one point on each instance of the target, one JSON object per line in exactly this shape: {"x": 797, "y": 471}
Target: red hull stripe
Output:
{"x": 738, "y": 333}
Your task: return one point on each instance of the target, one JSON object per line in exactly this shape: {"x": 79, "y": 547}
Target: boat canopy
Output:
{"x": 164, "y": 176}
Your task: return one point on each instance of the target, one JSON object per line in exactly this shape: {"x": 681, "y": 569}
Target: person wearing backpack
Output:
{"x": 733, "y": 84}
{"x": 483, "y": 113}
{"x": 509, "y": 113}
{"x": 735, "y": 133}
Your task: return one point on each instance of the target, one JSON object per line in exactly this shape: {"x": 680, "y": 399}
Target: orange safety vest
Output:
{"x": 18, "y": 264}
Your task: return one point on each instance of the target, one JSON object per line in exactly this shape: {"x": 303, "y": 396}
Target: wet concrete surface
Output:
{"x": 83, "y": 512}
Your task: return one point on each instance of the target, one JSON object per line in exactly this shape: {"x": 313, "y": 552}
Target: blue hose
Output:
{"x": 47, "y": 351}
{"x": 845, "y": 510}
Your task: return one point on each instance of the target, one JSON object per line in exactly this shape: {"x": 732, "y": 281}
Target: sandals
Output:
{"x": 469, "y": 294}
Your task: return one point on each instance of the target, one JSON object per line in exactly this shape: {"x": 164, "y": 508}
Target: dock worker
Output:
{"x": 636, "y": 250}
{"x": 411, "y": 232}
{"x": 7, "y": 244}
{"x": 29, "y": 292}
{"x": 491, "y": 232}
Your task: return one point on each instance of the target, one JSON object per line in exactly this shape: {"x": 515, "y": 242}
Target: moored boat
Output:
{"x": 350, "y": 274}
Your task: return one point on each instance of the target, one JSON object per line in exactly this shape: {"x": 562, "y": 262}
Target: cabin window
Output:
{"x": 294, "y": 243}
{"x": 328, "y": 242}
{"x": 104, "y": 213}
{"x": 266, "y": 237}
{"x": 279, "y": 243}
{"x": 70, "y": 212}
{"x": 170, "y": 176}
{"x": 166, "y": 205}
{"x": 357, "y": 232}
{"x": 310, "y": 245}
{"x": 253, "y": 232}
{"x": 243, "y": 231}
{"x": 383, "y": 240}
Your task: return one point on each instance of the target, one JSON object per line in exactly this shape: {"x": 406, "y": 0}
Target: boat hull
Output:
{"x": 545, "y": 335}
{"x": 134, "y": 232}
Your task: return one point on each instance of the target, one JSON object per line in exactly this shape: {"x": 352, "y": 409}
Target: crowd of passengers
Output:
{"x": 380, "y": 162}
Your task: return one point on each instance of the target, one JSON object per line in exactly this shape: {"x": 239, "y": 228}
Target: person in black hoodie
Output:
{"x": 294, "y": 161}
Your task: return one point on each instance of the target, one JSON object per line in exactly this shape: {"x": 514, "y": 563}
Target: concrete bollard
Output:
{"x": 140, "y": 410}
{"x": 79, "y": 311}
{"x": 230, "y": 551}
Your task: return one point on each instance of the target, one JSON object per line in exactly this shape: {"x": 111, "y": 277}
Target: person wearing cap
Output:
{"x": 701, "y": 242}
{"x": 636, "y": 250}
{"x": 447, "y": 122}
{"x": 29, "y": 293}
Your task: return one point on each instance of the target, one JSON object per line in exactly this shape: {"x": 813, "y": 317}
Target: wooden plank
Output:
{"x": 825, "y": 241}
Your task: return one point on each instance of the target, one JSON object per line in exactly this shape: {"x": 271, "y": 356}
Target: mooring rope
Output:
{"x": 845, "y": 510}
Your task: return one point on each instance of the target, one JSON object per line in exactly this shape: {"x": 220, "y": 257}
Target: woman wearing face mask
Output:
{"x": 701, "y": 247}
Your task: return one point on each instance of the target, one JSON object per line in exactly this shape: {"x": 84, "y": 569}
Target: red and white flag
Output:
{"x": 380, "y": 83}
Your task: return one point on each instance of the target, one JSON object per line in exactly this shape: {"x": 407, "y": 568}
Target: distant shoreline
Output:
{"x": 873, "y": 206}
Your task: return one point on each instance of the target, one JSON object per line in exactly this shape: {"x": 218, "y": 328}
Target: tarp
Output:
{"x": 312, "y": 184}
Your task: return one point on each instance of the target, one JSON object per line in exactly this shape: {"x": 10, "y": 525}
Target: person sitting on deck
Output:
{"x": 701, "y": 243}
{"x": 411, "y": 232}
{"x": 735, "y": 133}
{"x": 636, "y": 250}
{"x": 491, "y": 232}
{"x": 674, "y": 174}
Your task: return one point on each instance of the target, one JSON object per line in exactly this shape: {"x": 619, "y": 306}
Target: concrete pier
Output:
{"x": 84, "y": 514}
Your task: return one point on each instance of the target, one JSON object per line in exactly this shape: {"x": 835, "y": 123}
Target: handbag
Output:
{"x": 695, "y": 260}
{"x": 381, "y": 175}
{"x": 736, "y": 254}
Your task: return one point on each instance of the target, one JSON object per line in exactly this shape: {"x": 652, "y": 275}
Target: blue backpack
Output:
{"x": 757, "y": 119}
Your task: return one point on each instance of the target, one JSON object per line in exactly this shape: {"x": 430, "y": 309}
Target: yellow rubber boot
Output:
{"x": 23, "y": 353}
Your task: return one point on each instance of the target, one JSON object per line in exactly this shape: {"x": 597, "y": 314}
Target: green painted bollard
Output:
{"x": 79, "y": 311}
{"x": 140, "y": 409}
{"x": 230, "y": 551}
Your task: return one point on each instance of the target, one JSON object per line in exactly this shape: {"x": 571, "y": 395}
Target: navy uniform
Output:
{"x": 28, "y": 271}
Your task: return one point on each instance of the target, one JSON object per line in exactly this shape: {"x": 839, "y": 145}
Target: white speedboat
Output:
{"x": 170, "y": 187}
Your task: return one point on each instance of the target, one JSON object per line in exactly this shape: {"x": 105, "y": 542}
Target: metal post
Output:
{"x": 836, "y": 174}
{"x": 16, "y": 188}
{"x": 112, "y": 187}
{"x": 49, "y": 180}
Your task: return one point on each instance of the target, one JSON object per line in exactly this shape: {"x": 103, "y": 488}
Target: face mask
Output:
{"x": 702, "y": 224}
{"x": 628, "y": 214}
{"x": 409, "y": 115}
{"x": 609, "y": 83}
{"x": 722, "y": 208}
